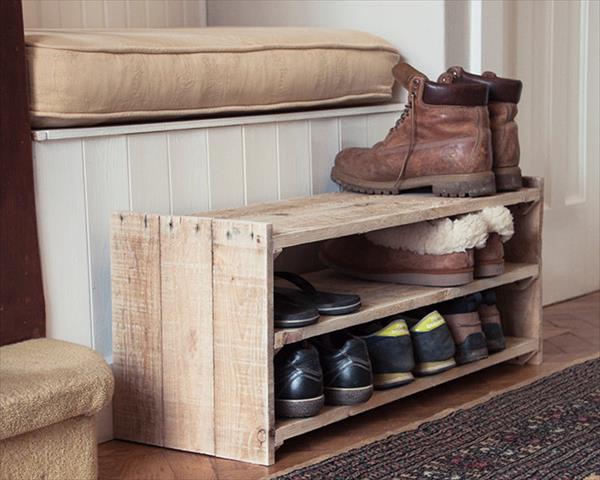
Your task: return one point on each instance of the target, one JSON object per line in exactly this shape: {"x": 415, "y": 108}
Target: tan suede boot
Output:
{"x": 489, "y": 260}
{"x": 358, "y": 257}
{"x": 504, "y": 95}
{"x": 442, "y": 140}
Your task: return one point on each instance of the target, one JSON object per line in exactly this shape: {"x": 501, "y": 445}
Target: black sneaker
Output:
{"x": 462, "y": 317}
{"x": 298, "y": 381}
{"x": 346, "y": 368}
{"x": 491, "y": 322}
{"x": 390, "y": 351}
{"x": 432, "y": 342}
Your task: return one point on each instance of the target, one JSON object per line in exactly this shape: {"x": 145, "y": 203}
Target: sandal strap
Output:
{"x": 297, "y": 281}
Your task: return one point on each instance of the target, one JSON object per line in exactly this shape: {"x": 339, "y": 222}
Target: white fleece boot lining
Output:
{"x": 435, "y": 237}
{"x": 499, "y": 220}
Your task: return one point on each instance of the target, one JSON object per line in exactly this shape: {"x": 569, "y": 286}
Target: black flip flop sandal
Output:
{"x": 289, "y": 314}
{"x": 327, "y": 303}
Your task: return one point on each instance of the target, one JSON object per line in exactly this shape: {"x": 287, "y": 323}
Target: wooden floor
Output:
{"x": 571, "y": 331}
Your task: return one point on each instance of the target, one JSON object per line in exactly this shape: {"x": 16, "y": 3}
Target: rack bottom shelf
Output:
{"x": 285, "y": 429}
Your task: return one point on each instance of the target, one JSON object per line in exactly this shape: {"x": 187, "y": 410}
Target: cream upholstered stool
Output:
{"x": 49, "y": 393}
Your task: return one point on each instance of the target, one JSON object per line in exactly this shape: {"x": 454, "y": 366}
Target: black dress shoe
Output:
{"x": 462, "y": 317}
{"x": 298, "y": 381}
{"x": 348, "y": 377}
{"x": 390, "y": 351}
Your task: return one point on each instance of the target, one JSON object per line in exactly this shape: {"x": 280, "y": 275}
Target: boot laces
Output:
{"x": 405, "y": 113}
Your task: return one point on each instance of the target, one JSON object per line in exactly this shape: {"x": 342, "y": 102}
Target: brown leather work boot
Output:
{"x": 442, "y": 140}
{"x": 504, "y": 95}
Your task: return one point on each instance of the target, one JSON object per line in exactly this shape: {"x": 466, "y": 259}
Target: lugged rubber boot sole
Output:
{"x": 508, "y": 178}
{"x": 347, "y": 396}
{"x": 308, "y": 407}
{"x": 459, "y": 185}
{"x": 432, "y": 368}
{"x": 382, "y": 381}
{"x": 488, "y": 270}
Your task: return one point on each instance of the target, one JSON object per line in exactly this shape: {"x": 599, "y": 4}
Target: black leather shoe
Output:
{"x": 462, "y": 317}
{"x": 432, "y": 342}
{"x": 298, "y": 381}
{"x": 346, "y": 368}
{"x": 390, "y": 351}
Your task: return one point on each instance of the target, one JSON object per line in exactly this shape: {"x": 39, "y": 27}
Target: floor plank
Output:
{"x": 573, "y": 332}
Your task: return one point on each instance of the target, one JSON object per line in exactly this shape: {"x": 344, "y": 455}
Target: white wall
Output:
{"x": 415, "y": 27}
{"x": 113, "y": 13}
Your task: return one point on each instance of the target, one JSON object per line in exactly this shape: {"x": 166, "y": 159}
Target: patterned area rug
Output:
{"x": 549, "y": 429}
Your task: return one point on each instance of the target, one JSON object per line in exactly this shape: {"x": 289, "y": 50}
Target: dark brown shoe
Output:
{"x": 442, "y": 140}
{"x": 504, "y": 95}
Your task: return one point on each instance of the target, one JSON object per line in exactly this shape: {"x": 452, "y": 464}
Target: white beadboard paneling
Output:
{"x": 294, "y": 159}
{"x": 71, "y": 13}
{"x": 379, "y": 125}
{"x": 226, "y": 167}
{"x": 175, "y": 13}
{"x": 115, "y": 13}
{"x": 49, "y": 14}
{"x": 194, "y": 13}
{"x": 157, "y": 14}
{"x": 107, "y": 191}
{"x": 32, "y": 13}
{"x": 137, "y": 13}
{"x": 61, "y": 216}
{"x": 189, "y": 171}
{"x": 260, "y": 154}
{"x": 93, "y": 14}
{"x": 325, "y": 144}
{"x": 353, "y": 132}
{"x": 149, "y": 173}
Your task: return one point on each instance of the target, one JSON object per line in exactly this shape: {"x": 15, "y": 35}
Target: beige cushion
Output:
{"x": 44, "y": 381}
{"x": 108, "y": 76}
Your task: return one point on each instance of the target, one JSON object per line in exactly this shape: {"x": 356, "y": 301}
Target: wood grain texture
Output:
{"x": 21, "y": 296}
{"x": 304, "y": 220}
{"x": 137, "y": 331}
{"x": 243, "y": 340}
{"x": 187, "y": 333}
{"x": 521, "y": 303}
{"x": 290, "y": 428}
{"x": 380, "y": 299}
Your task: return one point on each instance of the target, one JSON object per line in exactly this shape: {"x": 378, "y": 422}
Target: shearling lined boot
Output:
{"x": 442, "y": 140}
{"x": 489, "y": 260}
{"x": 434, "y": 253}
{"x": 504, "y": 95}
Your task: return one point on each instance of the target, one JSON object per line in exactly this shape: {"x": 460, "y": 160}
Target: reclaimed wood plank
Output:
{"x": 137, "y": 331}
{"x": 187, "y": 328}
{"x": 243, "y": 341}
{"x": 304, "y": 220}
{"x": 521, "y": 304}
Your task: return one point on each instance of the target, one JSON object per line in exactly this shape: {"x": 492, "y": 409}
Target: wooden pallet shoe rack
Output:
{"x": 193, "y": 334}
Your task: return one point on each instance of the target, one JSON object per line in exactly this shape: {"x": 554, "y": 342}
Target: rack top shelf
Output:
{"x": 309, "y": 219}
